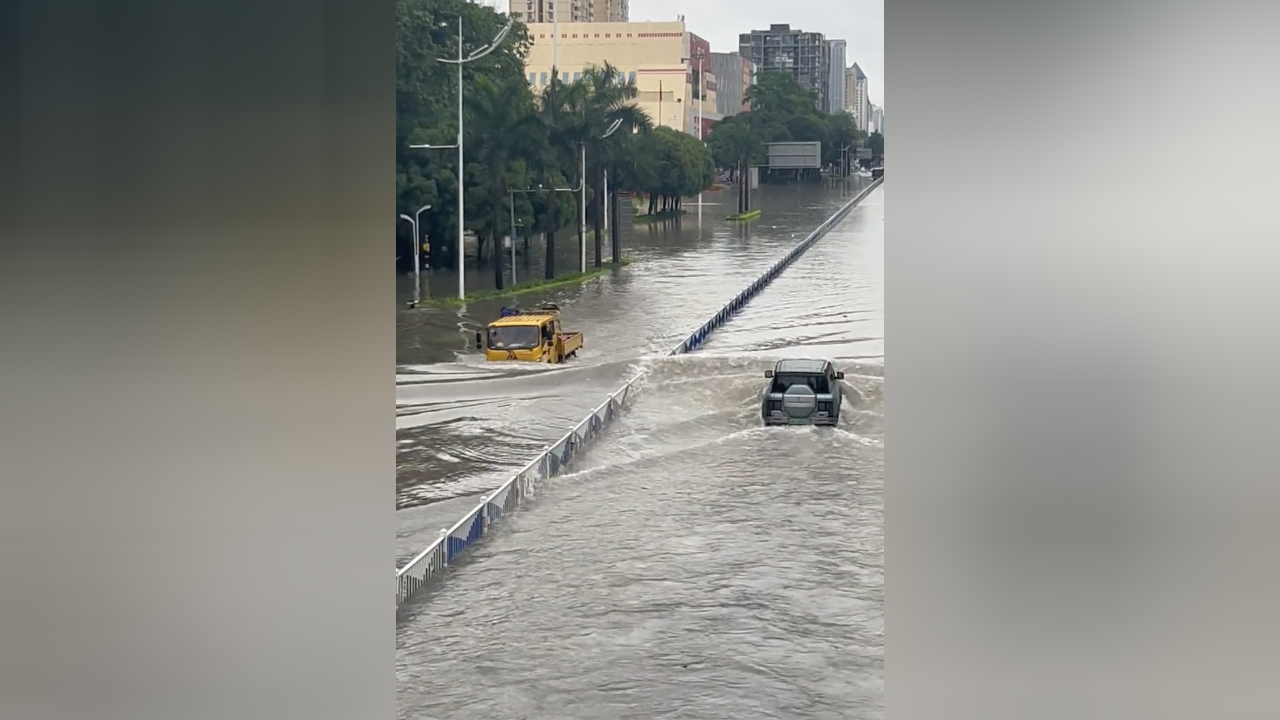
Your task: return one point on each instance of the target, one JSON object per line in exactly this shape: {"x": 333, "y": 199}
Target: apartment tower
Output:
{"x": 856, "y": 100}
{"x": 805, "y": 56}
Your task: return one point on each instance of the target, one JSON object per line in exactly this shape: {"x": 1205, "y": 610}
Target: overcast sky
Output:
{"x": 859, "y": 22}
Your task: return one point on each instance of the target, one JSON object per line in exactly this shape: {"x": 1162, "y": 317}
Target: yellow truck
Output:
{"x": 529, "y": 336}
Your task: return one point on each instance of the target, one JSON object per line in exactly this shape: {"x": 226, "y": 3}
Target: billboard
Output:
{"x": 795, "y": 155}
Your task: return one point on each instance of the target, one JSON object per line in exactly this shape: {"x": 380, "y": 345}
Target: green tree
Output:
{"x": 778, "y": 94}
{"x": 781, "y": 111}
{"x": 606, "y": 100}
{"x": 516, "y": 139}
{"x": 842, "y": 132}
{"x": 426, "y": 104}
{"x": 876, "y": 142}
{"x": 674, "y": 165}
{"x": 505, "y": 125}
{"x": 734, "y": 143}
{"x": 555, "y": 112}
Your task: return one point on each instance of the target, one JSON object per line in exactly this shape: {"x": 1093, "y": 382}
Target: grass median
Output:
{"x": 529, "y": 286}
{"x": 646, "y": 218}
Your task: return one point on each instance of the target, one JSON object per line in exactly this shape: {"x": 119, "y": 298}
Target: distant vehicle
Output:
{"x": 802, "y": 392}
{"x": 878, "y": 171}
{"x": 529, "y": 336}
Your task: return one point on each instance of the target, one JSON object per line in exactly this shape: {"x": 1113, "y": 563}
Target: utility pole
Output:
{"x": 460, "y": 61}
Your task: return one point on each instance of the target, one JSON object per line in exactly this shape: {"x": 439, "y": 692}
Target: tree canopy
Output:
{"x": 518, "y": 143}
{"x": 781, "y": 111}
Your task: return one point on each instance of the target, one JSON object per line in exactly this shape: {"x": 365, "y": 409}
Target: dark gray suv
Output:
{"x": 802, "y": 392}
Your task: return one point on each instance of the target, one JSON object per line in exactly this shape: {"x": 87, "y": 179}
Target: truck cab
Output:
{"x": 534, "y": 336}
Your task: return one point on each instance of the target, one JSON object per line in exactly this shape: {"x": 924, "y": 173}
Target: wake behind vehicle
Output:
{"x": 529, "y": 336}
{"x": 802, "y": 392}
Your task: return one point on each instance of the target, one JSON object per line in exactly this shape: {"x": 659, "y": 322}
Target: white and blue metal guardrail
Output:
{"x": 429, "y": 565}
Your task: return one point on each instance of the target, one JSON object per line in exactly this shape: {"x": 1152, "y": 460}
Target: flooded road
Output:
{"x": 464, "y": 425}
{"x": 695, "y": 564}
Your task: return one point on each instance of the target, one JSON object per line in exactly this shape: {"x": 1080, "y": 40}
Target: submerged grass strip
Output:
{"x": 657, "y": 217}
{"x": 528, "y": 286}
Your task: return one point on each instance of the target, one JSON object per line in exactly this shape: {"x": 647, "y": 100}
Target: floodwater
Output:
{"x": 694, "y": 564}
{"x": 465, "y": 425}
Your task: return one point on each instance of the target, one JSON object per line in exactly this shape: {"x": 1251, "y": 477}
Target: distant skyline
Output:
{"x": 860, "y": 23}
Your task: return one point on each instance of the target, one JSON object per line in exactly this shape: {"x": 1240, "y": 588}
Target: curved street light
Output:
{"x": 417, "y": 248}
{"x": 460, "y": 61}
{"x": 700, "y": 97}
{"x": 582, "y": 187}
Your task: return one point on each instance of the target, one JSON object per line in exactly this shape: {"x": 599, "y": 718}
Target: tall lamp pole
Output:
{"x": 582, "y": 243}
{"x": 417, "y": 248}
{"x": 701, "y": 85}
{"x": 413, "y": 224}
{"x": 460, "y": 61}
{"x": 512, "y": 196}
{"x": 698, "y": 98}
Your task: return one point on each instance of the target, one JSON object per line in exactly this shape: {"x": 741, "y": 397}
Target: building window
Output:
{"x": 533, "y": 78}
{"x": 577, "y": 76}
{"x": 597, "y": 34}
{"x": 564, "y": 78}
{"x": 631, "y": 77}
{"x": 544, "y": 78}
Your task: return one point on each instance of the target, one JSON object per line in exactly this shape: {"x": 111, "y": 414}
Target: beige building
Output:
{"x": 655, "y": 55}
{"x": 857, "y": 101}
{"x": 570, "y": 10}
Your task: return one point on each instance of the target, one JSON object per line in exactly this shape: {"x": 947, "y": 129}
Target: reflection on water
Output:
{"x": 473, "y": 422}
{"x": 695, "y": 565}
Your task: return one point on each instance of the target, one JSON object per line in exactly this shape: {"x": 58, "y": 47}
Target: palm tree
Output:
{"x": 557, "y": 128}
{"x": 502, "y": 127}
{"x": 606, "y": 100}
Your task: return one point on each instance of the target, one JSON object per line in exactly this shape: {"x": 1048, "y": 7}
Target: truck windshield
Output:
{"x": 514, "y": 337}
{"x": 817, "y": 383}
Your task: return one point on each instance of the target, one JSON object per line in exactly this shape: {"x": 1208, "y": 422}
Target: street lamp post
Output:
{"x": 582, "y": 183}
{"x": 701, "y": 85}
{"x": 417, "y": 241}
{"x": 413, "y": 224}
{"x": 582, "y": 236}
{"x": 511, "y": 194}
{"x": 460, "y": 61}
{"x": 417, "y": 248}
{"x": 698, "y": 98}
{"x": 582, "y": 241}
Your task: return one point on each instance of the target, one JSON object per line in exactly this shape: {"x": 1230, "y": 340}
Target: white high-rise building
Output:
{"x": 877, "y": 119}
{"x": 856, "y": 100}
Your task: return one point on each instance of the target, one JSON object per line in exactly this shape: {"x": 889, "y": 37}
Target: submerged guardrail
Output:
{"x": 430, "y": 564}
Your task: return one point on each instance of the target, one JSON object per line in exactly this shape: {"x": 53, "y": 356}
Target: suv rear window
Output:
{"x": 817, "y": 383}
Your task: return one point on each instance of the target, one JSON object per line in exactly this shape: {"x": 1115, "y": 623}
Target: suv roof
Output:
{"x": 801, "y": 366}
